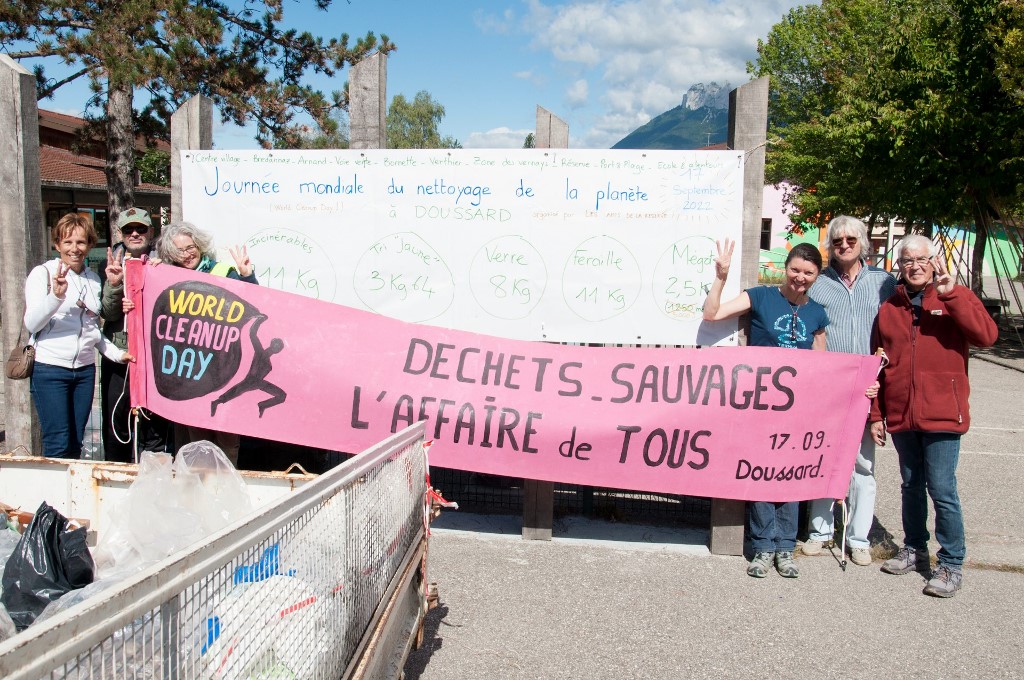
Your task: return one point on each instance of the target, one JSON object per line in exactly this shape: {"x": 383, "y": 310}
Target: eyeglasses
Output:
{"x": 140, "y": 229}
{"x": 919, "y": 261}
{"x": 188, "y": 250}
{"x": 850, "y": 241}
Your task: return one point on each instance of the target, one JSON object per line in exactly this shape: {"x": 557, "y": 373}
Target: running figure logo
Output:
{"x": 256, "y": 378}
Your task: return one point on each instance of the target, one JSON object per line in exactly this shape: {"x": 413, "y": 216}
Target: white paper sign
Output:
{"x": 601, "y": 246}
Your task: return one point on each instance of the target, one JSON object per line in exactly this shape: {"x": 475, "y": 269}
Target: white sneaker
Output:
{"x": 860, "y": 556}
{"x": 811, "y": 547}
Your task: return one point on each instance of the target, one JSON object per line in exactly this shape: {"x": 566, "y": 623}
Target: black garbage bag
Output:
{"x": 48, "y": 561}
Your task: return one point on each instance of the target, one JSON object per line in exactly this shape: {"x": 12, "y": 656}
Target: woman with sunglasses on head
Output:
{"x": 851, "y": 292}
{"x": 62, "y": 310}
{"x": 926, "y": 329}
{"x": 186, "y": 245}
{"x": 780, "y": 317}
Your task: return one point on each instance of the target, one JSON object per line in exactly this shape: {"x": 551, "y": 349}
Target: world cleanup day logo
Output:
{"x": 198, "y": 331}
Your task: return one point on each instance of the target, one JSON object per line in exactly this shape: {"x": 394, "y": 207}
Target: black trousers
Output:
{"x": 116, "y": 406}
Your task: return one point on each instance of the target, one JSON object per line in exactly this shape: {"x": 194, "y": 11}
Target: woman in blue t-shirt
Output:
{"x": 779, "y": 317}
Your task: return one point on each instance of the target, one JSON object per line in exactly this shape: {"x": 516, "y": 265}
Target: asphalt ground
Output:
{"x": 615, "y": 601}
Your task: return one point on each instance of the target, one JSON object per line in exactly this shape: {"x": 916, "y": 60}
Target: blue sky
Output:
{"x": 606, "y": 67}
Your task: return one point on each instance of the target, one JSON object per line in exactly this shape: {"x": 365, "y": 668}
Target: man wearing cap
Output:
{"x": 135, "y": 227}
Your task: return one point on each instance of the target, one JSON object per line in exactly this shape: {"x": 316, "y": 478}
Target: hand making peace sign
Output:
{"x": 115, "y": 268}
{"x": 60, "y": 281}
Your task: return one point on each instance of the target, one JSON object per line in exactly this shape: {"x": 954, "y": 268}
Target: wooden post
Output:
{"x": 368, "y": 103}
{"x": 23, "y": 236}
{"x": 748, "y": 128}
{"x": 191, "y": 128}
{"x": 539, "y": 497}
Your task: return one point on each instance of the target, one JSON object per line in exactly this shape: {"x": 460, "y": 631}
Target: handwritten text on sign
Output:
{"x": 597, "y": 246}
{"x": 750, "y": 423}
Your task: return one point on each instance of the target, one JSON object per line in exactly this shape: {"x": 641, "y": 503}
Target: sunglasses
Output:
{"x": 140, "y": 229}
{"x": 850, "y": 241}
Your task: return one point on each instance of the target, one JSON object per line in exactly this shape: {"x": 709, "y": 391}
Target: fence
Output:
{"x": 328, "y": 582}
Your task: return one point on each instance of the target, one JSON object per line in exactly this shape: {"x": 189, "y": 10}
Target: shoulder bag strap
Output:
{"x": 32, "y": 337}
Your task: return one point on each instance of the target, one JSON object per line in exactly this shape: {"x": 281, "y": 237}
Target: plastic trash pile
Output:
{"x": 172, "y": 504}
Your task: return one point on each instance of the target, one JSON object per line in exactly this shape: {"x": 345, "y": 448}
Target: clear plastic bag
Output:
{"x": 7, "y": 627}
{"x": 8, "y": 541}
{"x": 172, "y": 504}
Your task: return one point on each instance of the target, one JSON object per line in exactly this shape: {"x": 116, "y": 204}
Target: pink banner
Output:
{"x": 731, "y": 422}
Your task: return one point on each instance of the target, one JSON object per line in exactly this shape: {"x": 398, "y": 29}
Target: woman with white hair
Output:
{"x": 926, "y": 329}
{"x": 185, "y": 245}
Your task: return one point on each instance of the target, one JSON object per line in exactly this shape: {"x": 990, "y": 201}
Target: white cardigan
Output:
{"x": 66, "y": 334}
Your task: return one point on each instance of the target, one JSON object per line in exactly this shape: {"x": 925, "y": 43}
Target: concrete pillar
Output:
{"x": 191, "y": 128}
{"x": 539, "y": 497}
{"x": 748, "y": 130}
{"x": 368, "y": 103}
{"x": 23, "y": 236}
{"x": 552, "y": 132}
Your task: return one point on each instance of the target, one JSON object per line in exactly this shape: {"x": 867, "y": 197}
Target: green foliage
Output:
{"x": 530, "y": 142}
{"x": 154, "y": 167}
{"x": 1008, "y": 36}
{"x": 237, "y": 54}
{"x": 335, "y": 135}
{"x": 414, "y": 125}
{"x": 896, "y": 108}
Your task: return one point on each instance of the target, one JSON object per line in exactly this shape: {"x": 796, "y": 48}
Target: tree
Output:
{"x": 336, "y": 138}
{"x": 530, "y": 142}
{"x": 155, "y": 167}
{"x": 811, "y": 57}
{"x": 1010, "y": 49}
{"x": 244, "y": 60}
{"x": 906, "y": 113}
{"x": 413, "y": 125}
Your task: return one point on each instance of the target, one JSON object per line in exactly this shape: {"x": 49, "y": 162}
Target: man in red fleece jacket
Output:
{"x": 926, "y": 328}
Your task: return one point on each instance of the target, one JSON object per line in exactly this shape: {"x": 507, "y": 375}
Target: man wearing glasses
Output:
{"x": 926, "y": 329}
{"x": 119, "y": 437}
{"x": 851, "y": 292}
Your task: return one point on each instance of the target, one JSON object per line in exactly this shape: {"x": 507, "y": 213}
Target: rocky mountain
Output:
{"x": 700, "y": 120}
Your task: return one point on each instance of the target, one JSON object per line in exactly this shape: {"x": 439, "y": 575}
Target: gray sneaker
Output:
{"x": 812, "y": 547}
{"x": 760, "y": 565}
{"x": 945, "y": 581}
{"x": 907, "y": 560}
{"x": 784, "y": 565}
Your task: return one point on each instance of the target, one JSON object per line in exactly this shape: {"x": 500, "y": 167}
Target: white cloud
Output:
{"x": 577, "y": 94}
{"x": 640, "y": 56}
{"x": 497, "y": 138}
{"x": 501, "y": 24}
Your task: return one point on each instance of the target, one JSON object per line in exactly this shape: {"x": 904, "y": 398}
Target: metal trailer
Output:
{"x": 326, "y": 582}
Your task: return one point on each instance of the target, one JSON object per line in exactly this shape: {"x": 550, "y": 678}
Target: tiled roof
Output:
{"x": 62, "y": 167}
{"x": 65, "y": 124}
{"x": 60, "y": 121}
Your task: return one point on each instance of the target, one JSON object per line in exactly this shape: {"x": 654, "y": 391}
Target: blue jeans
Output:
{"x": 772, "y": 526}
{"x": 928, "y": 466}
{"x": 63, "y": 399}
